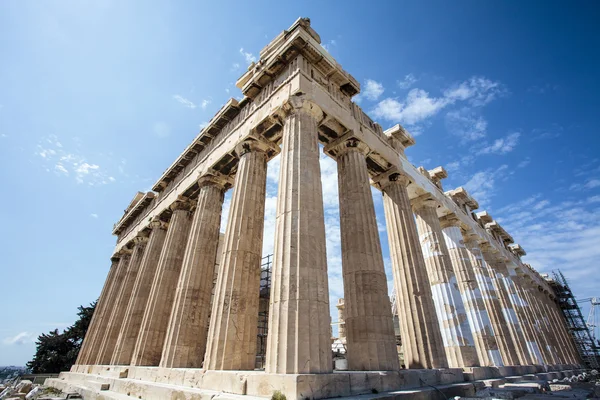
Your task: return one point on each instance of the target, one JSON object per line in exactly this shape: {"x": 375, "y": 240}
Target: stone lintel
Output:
{"x": 138, "y": 204}
{"x": 517, "y": 250}
{"x": 299, "y": 39}
{"x": 425, "y": 200}
{"x": 494, "y": 226}
{"x": 399, "y": 137}
{"x": 484, "y": 217}
{"x": 461, "y": 197}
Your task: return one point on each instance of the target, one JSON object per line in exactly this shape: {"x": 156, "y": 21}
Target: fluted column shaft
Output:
{"x": 477, "y": 315}
{"x": 234, "y": 320}
{"x": 492, "y": 304}
{"x": 185, "y": 344}
{"x": 452, "y": 317}
{"x": 134, "y": 314}
{"x": 545, "y": 337}
{"x": 496, "y": 269}
{"x": 86, "y": 346}
{"x": 148, "y": 348}
{"x": 299, "y": 335}
{"x": 558, "y": 322}
{"x": 519, "y": 305}
{"x": 115, "y": 322}
{"x": 370, "y": 336}
{"x": 110, "y": 306}
{"x": 421, "y": 338}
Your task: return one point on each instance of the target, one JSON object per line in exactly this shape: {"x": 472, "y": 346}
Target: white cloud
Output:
{"x": 329, "y": 45}
{"x": 203, "y": 124}
{"x": 20, "y": 339}
{"x": 372, "y": 89}
{"x": 182, "y": 100}
{"x": 234, "y": 67}
{"x": 249, "y": 57}
{"x": 3, "y": 135}
{"x": 502, "y": 145}
{"x": 94, "y": 215}
{"x": 55, "y": 158}
{"x": 407, "y": 82}
{"x": 482, "y": 185}
{"x": 465, "y": 124}
{"x": 524, "y": 163}
{"x": 161, "y": 129}
{"x": 589, "y": 184}
{"x": 205, "y": 103}
{"x": 419, "y": 105}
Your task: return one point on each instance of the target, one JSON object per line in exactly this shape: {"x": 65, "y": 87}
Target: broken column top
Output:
{"x": 484, "y": 217}
{"x": 436, "y": 175}
{"x": 461, "y": 197}
{"x": 494, "y": 226}
{"x": 517, "y": 250}
{"x": 400, "y": 135}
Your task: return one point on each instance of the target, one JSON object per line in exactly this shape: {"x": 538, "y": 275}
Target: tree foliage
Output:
{"x": 56, "y": 351}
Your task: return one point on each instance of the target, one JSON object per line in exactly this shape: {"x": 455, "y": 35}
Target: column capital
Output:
{"x": 347, "y": 144}
{"x": 157, "y": 223}
{"x": 217, "y": 179}
{"x": 425, "y": 200}
{"x": 450, "y": 220}
{"x": 115, "y": 258}
{"x": 300, "y": 104}
{"x": 182, "y": 203}
{"x": 391, "y": 177}
{"x": 256, "y": 143}
{"x": 140, "y": 240}
{"x": 125, "y": 252}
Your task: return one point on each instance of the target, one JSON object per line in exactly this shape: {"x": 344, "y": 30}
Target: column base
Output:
{"x": 149, "y": 383}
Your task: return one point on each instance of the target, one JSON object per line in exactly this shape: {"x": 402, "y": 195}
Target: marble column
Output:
{"x": 421, "y": 337}
{"x": 234, "y": 319}
{"x": 495, "y": 268}
{"x": 545, "y": 336}
{"x": 491, "y": 301}
{"x": 370, "y": 335}
{"x": 477, "y": 315}
{"x": 341, "y": 318}
{"x": 115, "y": 322}
{"x": 299, "y": 335}
{"x": 134, "y": 314}
{"x": 510, "y": 282}
{"x": 149, "y": 344}
{"x": 124, "y": 256}
{"x": 452, "y": 317}
{"x": 83, "y": 357}
{"x": 185, "y": 344}
{"x": 558, "y": 323}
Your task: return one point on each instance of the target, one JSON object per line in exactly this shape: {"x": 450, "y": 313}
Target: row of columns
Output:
{"x": 459, "y": 303}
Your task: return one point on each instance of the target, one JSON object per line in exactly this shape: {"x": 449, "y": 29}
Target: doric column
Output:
{"x": 148, "y": 348}
{"x": 558, "y": 323}
{"x": 234, "y": 319}
{"x": 115, "y": 322}
{"x": 509, "y": 280}
{"x": 124, "y": 256}
{"x": 452, "y": 317}
{"x": 477, "y": 315}
{"x": 299, "y": 335}
{"x": 492, "y": 302}
{"x": 421, "y": 338}
{"x": 537, "y": 344}
{"x": 546, "y": 339}
{"x": 185, "y": 344}
{"x": 134, "y": 314}
{"x": 370, "y": 336}
{"x": 498, "y": 273}
{"x": 82, "y": 358}
{"x": 341, "y": 320}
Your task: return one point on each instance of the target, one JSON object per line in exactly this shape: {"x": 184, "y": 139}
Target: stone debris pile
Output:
{"x": 24, "y": 389}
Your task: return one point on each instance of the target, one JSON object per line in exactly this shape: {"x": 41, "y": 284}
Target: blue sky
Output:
{"x": 98, "y": 98}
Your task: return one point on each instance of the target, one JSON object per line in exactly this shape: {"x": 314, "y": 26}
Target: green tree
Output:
{"x": 56, "y": 351}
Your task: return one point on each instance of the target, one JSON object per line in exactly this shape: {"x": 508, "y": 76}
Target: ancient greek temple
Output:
{"x": 178, "y": 315}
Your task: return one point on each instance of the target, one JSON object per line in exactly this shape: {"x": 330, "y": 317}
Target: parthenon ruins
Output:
{"x": 178, "y": 316}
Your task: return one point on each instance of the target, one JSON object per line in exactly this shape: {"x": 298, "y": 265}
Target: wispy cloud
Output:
{"x": 20, "y": 339}
{"x": 67, "y": 163}
{"x": 503, "y": 145}
{"x": 590, "y": 183}
{"x": 205, "y": 103}
{"x": 94, "y": 215}
{"x": 419, "y": 105}
{"x": 185, "y": 102}
{"x": 329, "y": 45}
{"x": 482, "y": 185}
{"x": 248, "y": 57}
{"x": 408, "y": 81}
{"x": 371, "y": 90}
{"x": 466, "y": 124}
{"x": 161, "y": 129}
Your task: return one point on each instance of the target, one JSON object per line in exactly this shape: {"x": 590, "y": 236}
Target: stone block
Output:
{"x": 226, "y": 381}
{"x": 97, "y": 385}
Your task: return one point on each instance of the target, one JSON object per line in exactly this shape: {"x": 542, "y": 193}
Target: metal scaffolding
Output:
{"x": 586, "y": 345}
{"x": 263, "y": 310}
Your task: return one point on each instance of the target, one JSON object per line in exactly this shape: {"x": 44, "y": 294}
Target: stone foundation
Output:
{"x": 114, "y": 382}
